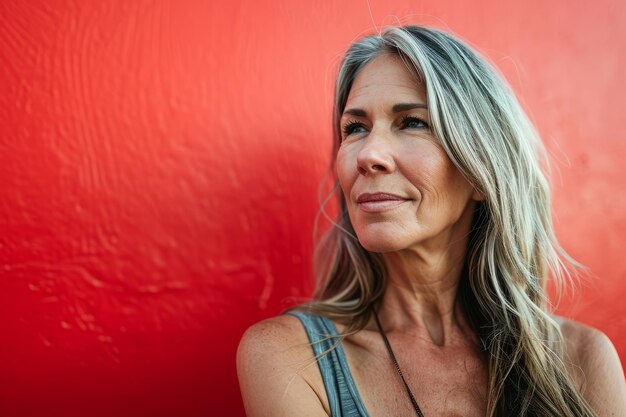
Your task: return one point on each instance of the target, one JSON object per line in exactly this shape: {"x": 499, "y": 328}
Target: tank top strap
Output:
{"x": 343, "y": 396}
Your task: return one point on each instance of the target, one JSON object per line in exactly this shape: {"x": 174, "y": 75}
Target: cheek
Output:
{"x": 453, "y": 191}
{"x": 422, "y": 168}
{"x": 430, "y": 170}
{"x": 345, "y": 171}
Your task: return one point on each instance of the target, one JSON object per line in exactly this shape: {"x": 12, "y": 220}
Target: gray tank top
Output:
{"x": 341, "y": 390}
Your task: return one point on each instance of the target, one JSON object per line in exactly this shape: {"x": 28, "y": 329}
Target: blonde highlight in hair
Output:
{"x": 512, "y": 247}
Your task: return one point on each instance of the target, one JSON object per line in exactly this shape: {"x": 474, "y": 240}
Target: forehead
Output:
{"x": 386, "y": 78}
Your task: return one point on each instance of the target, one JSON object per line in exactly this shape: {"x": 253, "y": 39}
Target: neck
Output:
{"x": 421, "y": 294}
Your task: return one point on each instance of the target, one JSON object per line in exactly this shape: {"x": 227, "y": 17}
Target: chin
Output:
{"x": 380, "y": 247}
{"x": 381, "y": 242}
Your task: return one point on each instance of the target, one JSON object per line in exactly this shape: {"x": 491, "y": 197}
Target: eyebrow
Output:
{"x": 397, "y": 108}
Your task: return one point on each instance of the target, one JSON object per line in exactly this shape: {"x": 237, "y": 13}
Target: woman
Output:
{"x": 432, "y": 299}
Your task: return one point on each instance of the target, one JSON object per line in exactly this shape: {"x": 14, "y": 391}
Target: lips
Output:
{"x": 377, "y": 202}
{"x": 372, "y": 197}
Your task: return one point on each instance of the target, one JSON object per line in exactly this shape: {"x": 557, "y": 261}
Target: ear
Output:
{"x": 476, "y": 196}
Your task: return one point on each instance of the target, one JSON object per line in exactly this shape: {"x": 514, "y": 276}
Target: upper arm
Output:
{"x": 272, "y": 359}
{"x": 600, "y": 369}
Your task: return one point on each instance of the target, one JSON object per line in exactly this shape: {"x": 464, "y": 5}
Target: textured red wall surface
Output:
{"x": 160, "y": 162}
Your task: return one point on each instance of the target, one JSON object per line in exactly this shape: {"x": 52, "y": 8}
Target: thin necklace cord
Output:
{"x": 395, "y": 363}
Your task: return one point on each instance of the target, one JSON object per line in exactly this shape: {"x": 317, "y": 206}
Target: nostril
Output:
{"x": 378, "y": 168}
{"x": 362, "y": 170}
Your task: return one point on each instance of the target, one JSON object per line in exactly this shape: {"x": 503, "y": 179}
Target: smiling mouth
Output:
{"x": 377, "y": 202}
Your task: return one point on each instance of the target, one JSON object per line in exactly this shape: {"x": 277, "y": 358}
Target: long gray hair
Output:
{"x": 512, "y": 247}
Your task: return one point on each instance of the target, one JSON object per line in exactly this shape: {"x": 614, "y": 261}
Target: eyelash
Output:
{"x": 348, "y": 128}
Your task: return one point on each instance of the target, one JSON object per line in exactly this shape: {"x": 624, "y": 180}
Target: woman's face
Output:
{"x": 401, "y": 188}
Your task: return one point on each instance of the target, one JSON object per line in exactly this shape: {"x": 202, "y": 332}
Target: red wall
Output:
{"x": 160, "y": 161}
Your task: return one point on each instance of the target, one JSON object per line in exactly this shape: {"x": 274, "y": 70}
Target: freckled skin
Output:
{"x": 385, "y": 154}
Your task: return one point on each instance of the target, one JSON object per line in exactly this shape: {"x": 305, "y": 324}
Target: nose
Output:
{"x": 375, "y": 155}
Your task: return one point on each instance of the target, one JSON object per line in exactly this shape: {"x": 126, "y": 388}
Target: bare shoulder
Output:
{"x": 595, "y": 366}
{"x": 274, "y": 361}
{"x": 586, "y": 346}
{"x": 275, "y": 332}
{"x": 280, "y": 339}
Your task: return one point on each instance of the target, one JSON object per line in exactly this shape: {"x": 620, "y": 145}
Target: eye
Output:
{"x": 352, "y": 126}
{"x": 410, "y": 122}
